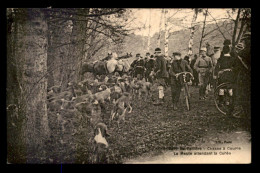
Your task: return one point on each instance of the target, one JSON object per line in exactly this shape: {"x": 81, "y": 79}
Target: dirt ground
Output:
{"x": 149, "y": 131}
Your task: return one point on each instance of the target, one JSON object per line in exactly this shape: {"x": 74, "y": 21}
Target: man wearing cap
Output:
{"x": 139, "y": 67}
{"x": 147, "y": 56}
{"x": 203, "y": 66}
{"x": 149, "y": 65}
{"x": 134, "y": 62}
{"x": 177, "y": 65}
{"x": 161, "y": 74}
{"x": 133, "y": 65}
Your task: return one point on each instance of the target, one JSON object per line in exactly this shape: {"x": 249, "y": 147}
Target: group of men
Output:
{"x": 164, "y": 71}
{"x": 206, "y": 67}
{"x": 142, "y": 67}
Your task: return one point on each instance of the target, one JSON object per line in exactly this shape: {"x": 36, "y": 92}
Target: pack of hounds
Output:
{"x": 91, "y": 99}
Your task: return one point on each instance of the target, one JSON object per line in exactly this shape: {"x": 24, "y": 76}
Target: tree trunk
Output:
{"x": 240, "y": 32}
{"x": 149, "y": 37}
{"x": 166, "y": 39}
{"x": 76, "y": 50}
{"x": 160, "y": 29}
{"x": 192, "y": 30}
{"x": 50, "y": 62}
{"x": 57, "y": 59}
{"x": 235, "y": 30}
{"x": 203, "y": 29}
{"x": 31, "y": 60}
{"x": 15, "y": 109}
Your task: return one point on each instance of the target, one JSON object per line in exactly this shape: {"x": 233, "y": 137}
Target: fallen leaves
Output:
{"x": 148, "y": 128}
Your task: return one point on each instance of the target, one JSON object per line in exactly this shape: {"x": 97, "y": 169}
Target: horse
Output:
{"x": 100, "y": 67}
{"x": 119, "y": 64}
{"x": 109, "y": 65}
{"x": 123, "y": 66}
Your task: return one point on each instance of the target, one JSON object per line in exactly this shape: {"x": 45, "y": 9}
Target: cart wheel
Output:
{"x": 223, "y": 109}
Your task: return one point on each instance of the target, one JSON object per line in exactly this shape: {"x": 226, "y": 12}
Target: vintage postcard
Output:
{"x": 128, "y": 85}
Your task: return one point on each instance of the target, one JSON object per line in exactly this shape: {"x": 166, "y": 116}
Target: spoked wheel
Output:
{"x": 223, "y": 108}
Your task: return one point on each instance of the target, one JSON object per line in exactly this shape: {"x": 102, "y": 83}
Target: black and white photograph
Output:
{"x": 128, "y": 85}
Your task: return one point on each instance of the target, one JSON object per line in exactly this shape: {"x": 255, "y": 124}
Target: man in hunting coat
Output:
{"x": 161, "y": 74}
{"x": 203, "y": 66}
{"x": 177, "y": 65}
{"x": 139, "y": 67}
{"x": 149, "y": 66}
{"x": 225, "y": 72}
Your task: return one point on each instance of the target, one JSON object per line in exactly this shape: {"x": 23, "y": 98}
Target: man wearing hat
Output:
{"x": 177, "y": 65}
{"x": 226, "y": 42}
{"x": 161, "y": 74}
{"x": 203, "y": 66}
{"x": 225, "y": 72}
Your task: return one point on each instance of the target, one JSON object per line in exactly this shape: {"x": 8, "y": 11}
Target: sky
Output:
{"x": 178, "y": 19}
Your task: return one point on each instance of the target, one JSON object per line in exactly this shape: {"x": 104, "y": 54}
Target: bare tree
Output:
{"x": 242, "y": 23}
{"x": 203, "y": 29}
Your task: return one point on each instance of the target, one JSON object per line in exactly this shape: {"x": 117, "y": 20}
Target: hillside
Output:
{"x": 178, "y": 40}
